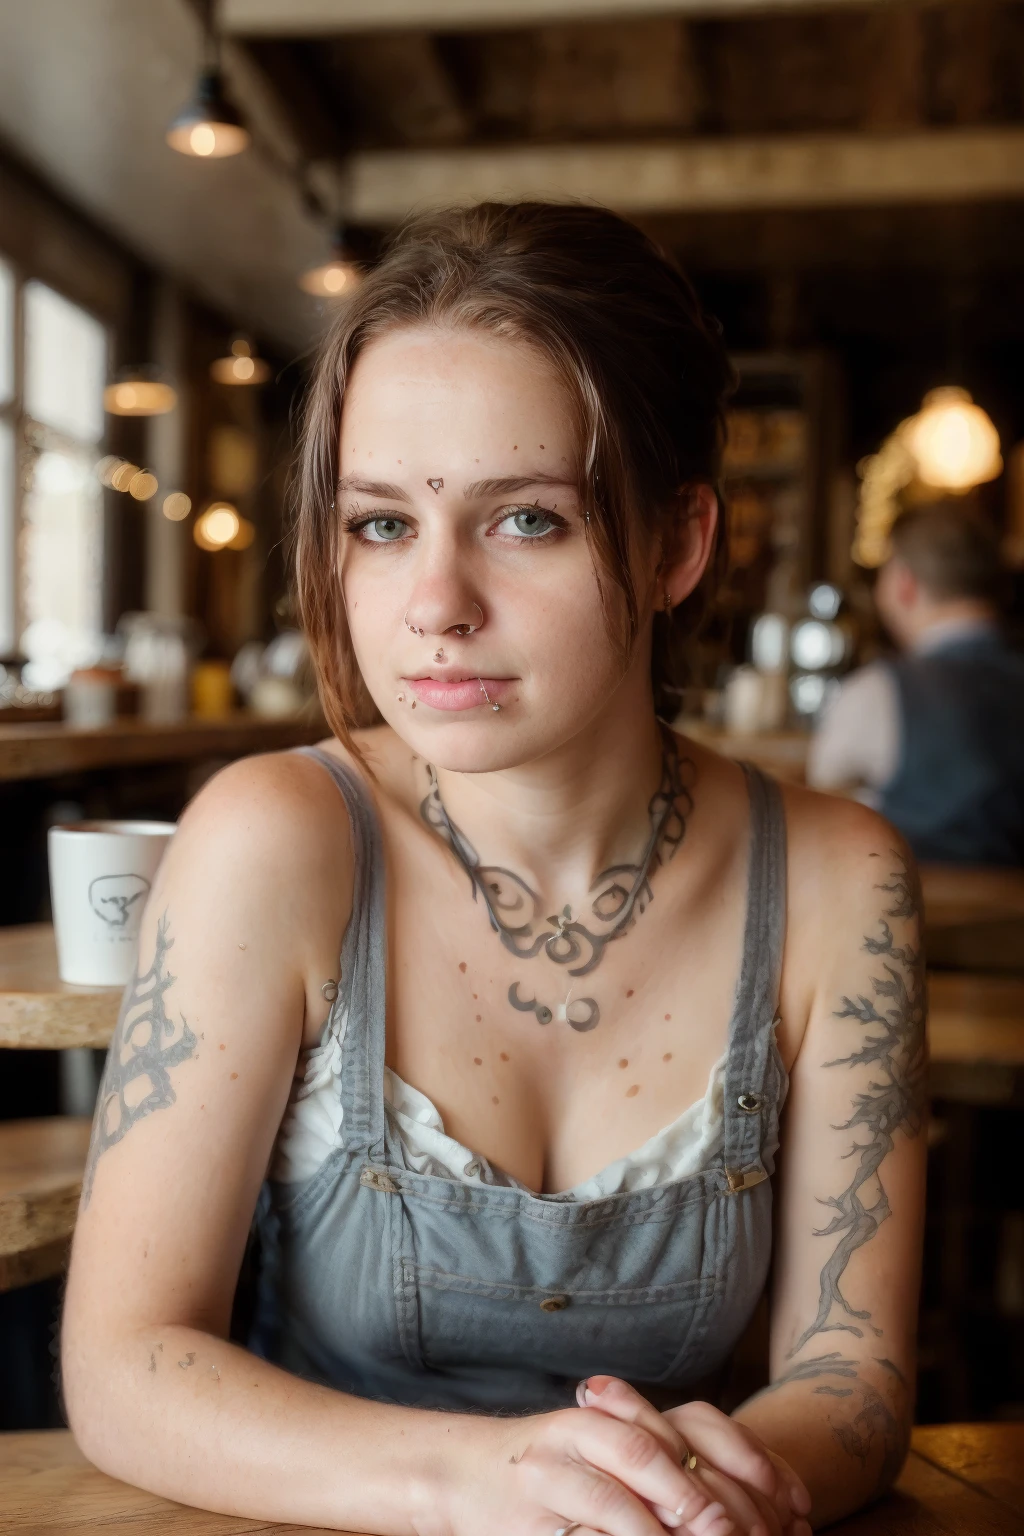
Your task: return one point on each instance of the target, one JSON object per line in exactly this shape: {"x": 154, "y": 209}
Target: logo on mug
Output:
{"x": 112, "y": 897}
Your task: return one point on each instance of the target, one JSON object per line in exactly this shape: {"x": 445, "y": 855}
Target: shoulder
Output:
{"x": 848, "y": 871}
{"x": 267, "y": 836}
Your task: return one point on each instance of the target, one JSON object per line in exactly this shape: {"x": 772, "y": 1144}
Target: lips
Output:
{"x": 455, "y": 690}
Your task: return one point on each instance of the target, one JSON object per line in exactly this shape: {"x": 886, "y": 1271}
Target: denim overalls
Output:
{"x": 411, "y": 1288}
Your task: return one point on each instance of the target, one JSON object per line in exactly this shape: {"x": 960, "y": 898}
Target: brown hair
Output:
{"x": 950, "y": 550}
{"x": 645, "y": 370}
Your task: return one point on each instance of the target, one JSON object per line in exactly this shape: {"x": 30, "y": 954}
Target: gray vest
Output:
{"x": 411, "y": 1288}
{"x": 958, "y": 793}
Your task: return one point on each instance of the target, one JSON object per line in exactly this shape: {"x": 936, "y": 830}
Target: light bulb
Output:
{"x": 953, "y": 441}
{"x": 202, "y": 139}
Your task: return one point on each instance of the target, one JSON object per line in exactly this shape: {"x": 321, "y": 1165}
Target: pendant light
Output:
{"x": 208, "y": 126}
{"x": 953, "y": 441}
{"x": 242, "y": 366}
{"x": 339, "y": 276}
{"x": 139, "y": 392}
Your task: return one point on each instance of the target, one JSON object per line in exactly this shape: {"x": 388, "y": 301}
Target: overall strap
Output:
{"x": 363, "y": 977}
{"x": 749, "y": 1087}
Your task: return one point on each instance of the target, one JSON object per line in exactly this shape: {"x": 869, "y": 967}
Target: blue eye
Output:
{"x": 530, "y": 522}
{"x": 383, "y": 530}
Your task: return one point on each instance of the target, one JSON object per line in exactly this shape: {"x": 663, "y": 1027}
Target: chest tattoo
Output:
{"x": 617, "y": 897}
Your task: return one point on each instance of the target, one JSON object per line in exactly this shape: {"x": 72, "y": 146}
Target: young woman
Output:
{"x": 504, "y": 995}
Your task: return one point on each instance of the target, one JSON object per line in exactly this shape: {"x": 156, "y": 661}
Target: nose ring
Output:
{"x": 405, "y": 621}
{"x": 467, "y": 629}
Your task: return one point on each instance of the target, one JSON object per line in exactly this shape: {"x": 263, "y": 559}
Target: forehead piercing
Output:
{"x": 483, "y": 690}
{"x": 439, "y": 655}
{"x": 435, "y": 485}
{"x": 405, "y": 621}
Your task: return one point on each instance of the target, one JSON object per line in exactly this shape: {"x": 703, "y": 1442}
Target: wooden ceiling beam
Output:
{"x": 790, "y": 171}
{"x": 321, "y": 18}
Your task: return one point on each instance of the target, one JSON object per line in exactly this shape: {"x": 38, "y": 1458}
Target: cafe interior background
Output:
{"x": 188, "y": 192}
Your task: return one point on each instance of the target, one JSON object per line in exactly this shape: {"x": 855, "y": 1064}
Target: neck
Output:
{"x": 960, "y": 610}
{"x": 562, "y": 819}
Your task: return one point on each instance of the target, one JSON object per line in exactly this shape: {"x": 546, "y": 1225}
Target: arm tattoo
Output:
{"x": 893, "y": 1044}
{"x": 875, "y": 1427}
{"x": 136, "y": 1078}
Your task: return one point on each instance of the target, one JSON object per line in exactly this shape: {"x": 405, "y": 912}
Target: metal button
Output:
{"x": 750, "y": 1103}
{"x": 554, "y": 1303}
{"x": 378, "y": 1178}
{"x": 471, "y": 1170}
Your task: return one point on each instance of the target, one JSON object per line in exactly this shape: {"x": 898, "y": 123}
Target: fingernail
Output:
{"x": 581, "y": 1392}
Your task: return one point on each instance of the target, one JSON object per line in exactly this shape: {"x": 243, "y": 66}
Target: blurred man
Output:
{"x": 935, "y": 738}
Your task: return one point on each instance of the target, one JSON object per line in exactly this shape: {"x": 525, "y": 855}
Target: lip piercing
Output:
{"x": 405, "y": 621}
{"x": 483, "y": 690}
{"x": 439, "y": 655}
{"x": 400, "y": 697}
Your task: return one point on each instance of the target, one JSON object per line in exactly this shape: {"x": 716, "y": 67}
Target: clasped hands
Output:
{"x": 753, "y": 1491}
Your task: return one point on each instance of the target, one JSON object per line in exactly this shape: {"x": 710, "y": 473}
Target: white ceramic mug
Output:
{"x": 100, "y": 876}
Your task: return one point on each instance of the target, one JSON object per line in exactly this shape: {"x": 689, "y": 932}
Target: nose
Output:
{"x": 443, "y": 599}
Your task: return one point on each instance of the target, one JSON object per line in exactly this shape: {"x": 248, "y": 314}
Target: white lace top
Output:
{"x": 312, "y": 1128}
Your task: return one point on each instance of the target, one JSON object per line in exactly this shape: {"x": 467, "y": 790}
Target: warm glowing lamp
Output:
{"x": 136, "y": 393}
{"x": 339, "y": 276}
{"x": 241, "y": 367}
{"x": 219, "y": 524}
{"x": 953, "y": 441}
{"x": 208, "y": 127}
{"x": 177, "y": 506}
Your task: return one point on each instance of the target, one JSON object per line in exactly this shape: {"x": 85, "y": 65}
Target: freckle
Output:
{"x": 202, "y": 1106}
{"x": 477, "y": 1061}
{"x": 667, "y": 1056}
{"x": 504, "y": 1055}
{"x": 631, "y": 1093}
{"x": 475, "y": 998}
{"x": 233, "y": 1076}
{"x": 462, "y": 967}
{"x": 542, "y": 447}
{"x": 479, "y": 1018}
{"x": 624, "y": 1062}
{"x": 222, "y": 1047}
{"x": 515, "y": 447}
{"x": 494, "y": 1100}
{"x": 667, "y": 1017}
{"x": 630, "y": 992}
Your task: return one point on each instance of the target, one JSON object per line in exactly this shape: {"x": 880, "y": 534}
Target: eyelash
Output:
{"x": 354, "y": 522}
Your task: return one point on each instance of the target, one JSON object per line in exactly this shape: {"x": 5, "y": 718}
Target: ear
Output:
{"x": 689, "y": 540}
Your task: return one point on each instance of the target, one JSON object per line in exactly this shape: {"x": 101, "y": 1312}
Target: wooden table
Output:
{"x": 39, "y": 751}
{"x": 960, "y": 1480}
{"x": 41, "y": 1167}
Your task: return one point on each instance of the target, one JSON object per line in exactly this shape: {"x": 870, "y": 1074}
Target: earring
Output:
{"x": 405, "y": 621}
{"x": 667, "y": 602}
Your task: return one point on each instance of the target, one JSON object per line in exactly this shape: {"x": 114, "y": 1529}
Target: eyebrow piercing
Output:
{"x": 405, "y": 621}
{"x": 436, "y": 485}
{"x": 483, "y": 690}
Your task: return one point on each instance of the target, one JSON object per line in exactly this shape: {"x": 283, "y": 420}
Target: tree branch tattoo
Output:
{"x": 894, "y": 1044}
{"x": 619, "y": 894}
{"x": 876, "y": 1426}
{"x": 136, "y": 1078}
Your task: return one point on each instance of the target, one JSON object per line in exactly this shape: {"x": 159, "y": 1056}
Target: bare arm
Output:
{"x": 246, "y": 916}
{"x": 851, "y": 1193}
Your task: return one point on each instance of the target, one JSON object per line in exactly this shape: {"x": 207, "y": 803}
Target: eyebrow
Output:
{"x": 379, "y": 488}
{"x": 511, "y": 483}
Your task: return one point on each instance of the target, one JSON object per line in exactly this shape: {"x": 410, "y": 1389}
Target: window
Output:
{"x": 51, "y": 417}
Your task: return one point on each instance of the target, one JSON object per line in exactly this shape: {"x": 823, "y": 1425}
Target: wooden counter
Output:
{"x": 39, "y": 751}
{"x": 959, "y": 1480}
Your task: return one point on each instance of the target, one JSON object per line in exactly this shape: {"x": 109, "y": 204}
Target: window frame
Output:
{"x": 21, "y": 425}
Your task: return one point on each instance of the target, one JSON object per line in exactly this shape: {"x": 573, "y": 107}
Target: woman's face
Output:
{"x": 465, "y": 568}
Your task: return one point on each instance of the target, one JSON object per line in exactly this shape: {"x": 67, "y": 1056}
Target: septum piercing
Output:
{"x": 495, "y": 707}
